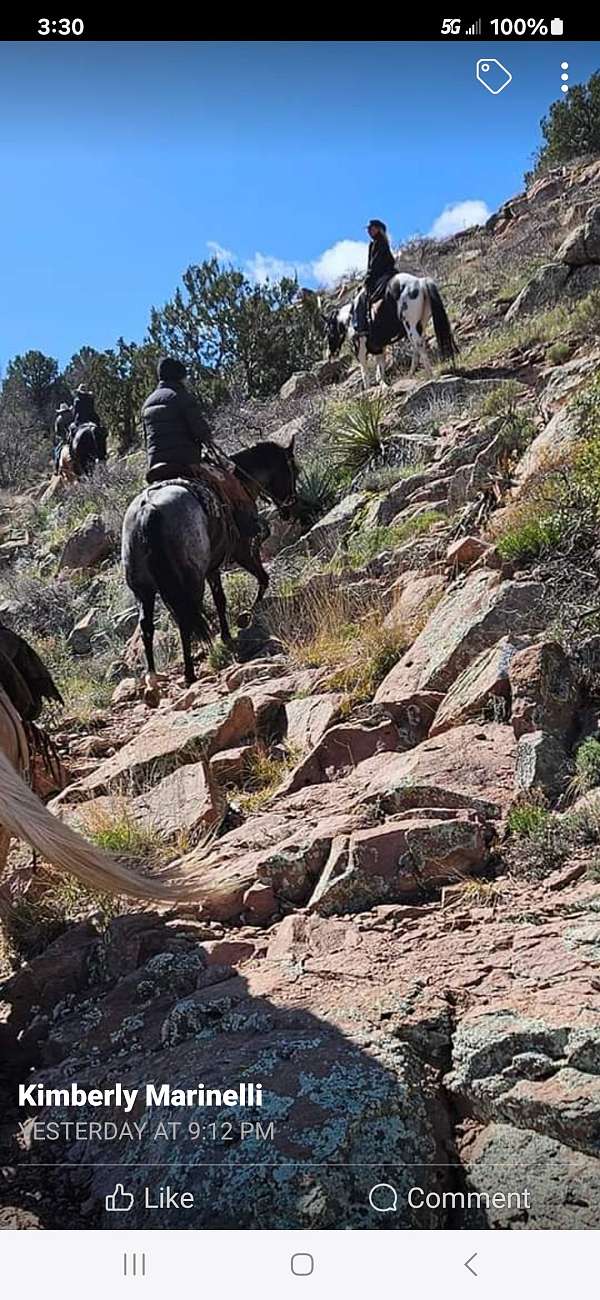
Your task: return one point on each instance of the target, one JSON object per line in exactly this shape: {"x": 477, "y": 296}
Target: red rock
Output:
{"x": 260, "y": 903}
{"x": 230, "y": 766}
{"x": 88, "y": 545}
{"x": 308, "y": 719}
{"x": 486, "y": 678}
{"x": 257, "y": 671}
{"x": 470, "y": 618}
{"x": 413, "y": 594}
{"x": 470, "y": 766}
{"x": 125, "y": 691}
{"x": 168, "y": 741}
{"x": 228, "y": 952}
{"x": 462, "y": 553}
{"x": 340, "y": 750}
{"x": 398, "y": 860}
{"x": 545, "y": 692}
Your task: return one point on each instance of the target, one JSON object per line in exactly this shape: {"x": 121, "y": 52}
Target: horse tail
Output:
{"x": 24, "y": 816}
{"x": 180, "y": 584}
{"x": 443, "y": 331}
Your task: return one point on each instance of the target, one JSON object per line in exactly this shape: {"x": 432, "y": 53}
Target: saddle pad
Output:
{"x": 218, "y": 517}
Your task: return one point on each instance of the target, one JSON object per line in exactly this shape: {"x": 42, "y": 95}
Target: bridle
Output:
{"x": 286, "y": 504}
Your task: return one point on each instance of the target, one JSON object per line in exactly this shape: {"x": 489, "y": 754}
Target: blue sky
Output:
{"x": 122, "y": 164}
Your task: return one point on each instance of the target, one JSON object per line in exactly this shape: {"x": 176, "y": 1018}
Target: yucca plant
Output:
{"x": 316, "y": 491}
{"x": 358, "y": 436}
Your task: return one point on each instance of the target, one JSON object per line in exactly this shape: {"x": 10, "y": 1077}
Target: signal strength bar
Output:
{"x": 474, "y": 29}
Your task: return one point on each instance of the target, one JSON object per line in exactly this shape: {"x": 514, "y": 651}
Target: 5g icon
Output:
{"x": 450, "y": 26}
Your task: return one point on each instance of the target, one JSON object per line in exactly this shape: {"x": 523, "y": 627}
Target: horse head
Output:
{"x": 271, "y": 467}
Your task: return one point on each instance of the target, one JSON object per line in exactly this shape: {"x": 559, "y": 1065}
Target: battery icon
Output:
{"x": 557, "y": 27}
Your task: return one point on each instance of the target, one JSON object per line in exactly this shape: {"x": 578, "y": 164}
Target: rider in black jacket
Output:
{"x": 380, "y": 267}
{"x": 175, "y": 426}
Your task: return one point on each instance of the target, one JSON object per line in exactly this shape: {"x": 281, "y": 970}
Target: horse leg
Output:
{"x": 363, "y": 360}
{"x": 189, "y": 671}
{"x": 146, "y": 622}
{"x": 218, "y": 595}
{"x": 380, "y": 371}
{"x": 249, "y": 559}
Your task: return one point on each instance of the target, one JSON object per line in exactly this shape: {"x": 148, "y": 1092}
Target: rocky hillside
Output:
{"x": 393, "y": 796}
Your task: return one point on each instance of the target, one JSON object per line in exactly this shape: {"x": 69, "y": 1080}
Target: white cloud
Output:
{"x": 263, "y": 267}
{"x": 343, "y": 258}
{"x": 217, "y": 250}
{"x": 459, "y": 216}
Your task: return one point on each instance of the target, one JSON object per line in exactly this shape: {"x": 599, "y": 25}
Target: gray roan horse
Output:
{"x": 404, "y": 311}
{"x": 176, "y": 535}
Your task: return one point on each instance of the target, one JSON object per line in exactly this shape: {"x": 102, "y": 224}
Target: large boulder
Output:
{"x": 470, "y": 618}
{"x": 550, "y": 285}
{"x": 550, "y": 447}
{"x": 471, "y": 766}
{"x": 544, "y": 689}
{"x": 176, "y": 809}
{"x": 563, "y": 1184}
{"x": 308, "y": 719}
{"x": 169, "y": 740}
{"x": 79, "y": 639}
{"x": 325, "y": 536}
{"x": 301, "y": 384}
{"x": 88, "y": 545}
{"x": 484, "y": 681}
{"x": 582, "y": 246}
{"x": 515, "y": 1068}
{"x": 396, "y": 861}
{"x": 413, "y": 596}
{"x": 340, "y": 750}
{"x": 542, "y": 765}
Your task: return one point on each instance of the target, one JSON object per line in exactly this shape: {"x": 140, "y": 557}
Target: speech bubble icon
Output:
{"x": 383, "y": 1198}
{"x": 493, "y": 75}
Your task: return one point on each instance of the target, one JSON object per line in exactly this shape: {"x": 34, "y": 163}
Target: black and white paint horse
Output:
{"x": 408, "y": 304}
{"x": 176, "y": 535}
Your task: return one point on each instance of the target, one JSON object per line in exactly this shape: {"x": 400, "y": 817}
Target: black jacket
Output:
{"x": 175, "y": 426}
{"x": 381, "y": 264}
{"x": 84, "y": 410}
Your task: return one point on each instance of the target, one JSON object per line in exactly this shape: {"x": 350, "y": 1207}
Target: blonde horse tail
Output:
{"x": 24, "y": 816}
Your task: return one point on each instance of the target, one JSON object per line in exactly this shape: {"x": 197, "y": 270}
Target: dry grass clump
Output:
{"x": 355, "y": 653}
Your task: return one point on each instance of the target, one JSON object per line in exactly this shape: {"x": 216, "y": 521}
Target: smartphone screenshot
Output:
{"x": 299, "y": 656}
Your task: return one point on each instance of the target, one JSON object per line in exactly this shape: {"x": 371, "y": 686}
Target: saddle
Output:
{"x": 236, "y": 503}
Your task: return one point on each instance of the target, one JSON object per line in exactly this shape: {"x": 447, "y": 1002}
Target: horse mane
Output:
{"x": 260, "y": 456}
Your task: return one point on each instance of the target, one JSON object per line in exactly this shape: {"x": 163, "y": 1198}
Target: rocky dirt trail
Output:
{"x": 411, "y": 1005}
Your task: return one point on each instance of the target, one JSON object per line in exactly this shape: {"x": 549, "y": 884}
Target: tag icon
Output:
{"x": 493, "y": 75}
{"x": 119, "y": 1201}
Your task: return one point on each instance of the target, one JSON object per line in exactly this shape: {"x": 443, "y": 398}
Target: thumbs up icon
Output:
{"x": 119, "y": 1201}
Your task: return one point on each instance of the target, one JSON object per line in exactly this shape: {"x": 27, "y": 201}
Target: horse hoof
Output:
{"x": 151, "y": 697}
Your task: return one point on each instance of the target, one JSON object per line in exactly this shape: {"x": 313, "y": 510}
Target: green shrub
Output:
{"x": 559, "y": 353}
{"x": 364, "y": 546}
{"x": 587, "y": 766}
{"x": 559, "y": 511}
{"x": 317, "y": 491}
{"x": 586, "y": 409}
{"x": 358, "y": 435}
{"x": 586, "y": 315}
{"x": 528, "y": 818}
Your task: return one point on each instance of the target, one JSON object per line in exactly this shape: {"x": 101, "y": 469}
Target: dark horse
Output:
{"x": 176, "y": 535}
{"x": 85, "y": 448}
